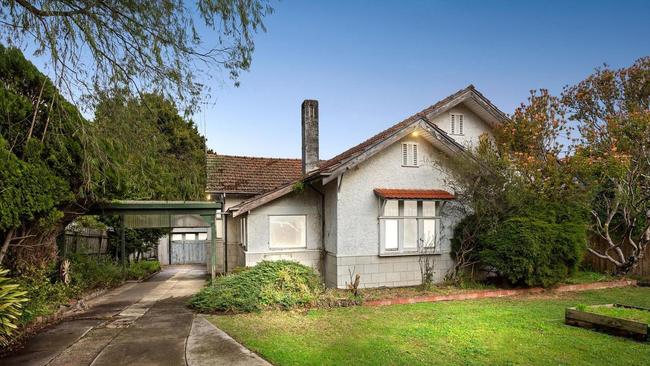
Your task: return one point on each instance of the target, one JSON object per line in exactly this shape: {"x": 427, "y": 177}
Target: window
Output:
{"x": 218, "y": 221}
{"x": 203, "y": 236}
{"x": 390, "y": 225}
{"x": 243, "y": 232}
{"x": 407, "y": 226}
{"x": 190, "y": 236}
{"x": 410, "y": 224}
{"x": 287, "y": 231}
{"x": 409, "y": 154}
{"x": 176, "y": 237}
{"x": 456, "y": 122}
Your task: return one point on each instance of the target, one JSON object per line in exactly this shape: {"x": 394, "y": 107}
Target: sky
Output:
{"x": 370, "y": 64}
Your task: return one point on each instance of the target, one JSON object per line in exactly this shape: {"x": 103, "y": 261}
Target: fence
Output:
{"x": 603, "y": 265}
{"x": 87, "y": 241}
{"x": 93, "y": 242}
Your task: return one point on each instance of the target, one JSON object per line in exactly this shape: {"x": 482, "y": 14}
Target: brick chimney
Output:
{"x": 309, "y": 136}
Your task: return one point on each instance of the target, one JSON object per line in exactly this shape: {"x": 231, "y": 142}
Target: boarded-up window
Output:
{"x": 287, "y": 231}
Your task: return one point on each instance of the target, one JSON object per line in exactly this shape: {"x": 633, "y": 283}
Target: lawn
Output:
{"x": 507, "y": 331}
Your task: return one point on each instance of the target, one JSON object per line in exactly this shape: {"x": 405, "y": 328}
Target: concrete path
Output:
{"x": 145, "y": 323}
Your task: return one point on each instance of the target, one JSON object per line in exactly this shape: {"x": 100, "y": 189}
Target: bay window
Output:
{"x": 408, "y": 226}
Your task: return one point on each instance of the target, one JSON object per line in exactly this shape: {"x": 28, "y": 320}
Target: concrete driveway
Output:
{"x": 146, "y": 323}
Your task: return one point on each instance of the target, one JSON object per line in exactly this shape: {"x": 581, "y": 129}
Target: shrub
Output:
{"x": 44, "y": 295}
{"x": 279, "y": 284}
{"x": 11, "y": 301}
{"x": 141, "y": 269}
{"x": 88, "y": 273}
{"x": 527, "y": 250}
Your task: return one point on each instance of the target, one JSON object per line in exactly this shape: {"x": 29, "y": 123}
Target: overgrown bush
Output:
{"x": 142, "y": 269}
{"x": 12, "y": 298}
{"x": 44, "y": 293}
{"x": 278, "y": 284}
{"x": 534, "y": 252}
{"x": 89, "y": 273}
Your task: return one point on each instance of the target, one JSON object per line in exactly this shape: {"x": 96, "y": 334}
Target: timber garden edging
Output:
{"x": 483, "y": 294}
{"x": 609, "y": 324}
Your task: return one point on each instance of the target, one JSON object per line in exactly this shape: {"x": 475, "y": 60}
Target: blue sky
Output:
{"x": 373, "y": 63}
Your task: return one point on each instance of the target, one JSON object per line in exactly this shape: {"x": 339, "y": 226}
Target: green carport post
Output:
{"x": 213, "y": 245}
{"x": 123, "y": 244}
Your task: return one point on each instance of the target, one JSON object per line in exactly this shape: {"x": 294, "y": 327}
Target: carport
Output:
{"x": 164, "y": 215}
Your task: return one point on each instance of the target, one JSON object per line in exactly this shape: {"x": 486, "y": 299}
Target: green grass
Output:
{"x": 507, "y": 331}
{"x": 637, "y": 315}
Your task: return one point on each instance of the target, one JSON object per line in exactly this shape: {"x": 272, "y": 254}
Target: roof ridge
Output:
{"x": 251, "y": 157}
{"x": 398, "y": 125}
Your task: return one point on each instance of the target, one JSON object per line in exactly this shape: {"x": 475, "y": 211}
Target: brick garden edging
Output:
{"x": 483, "y": 294}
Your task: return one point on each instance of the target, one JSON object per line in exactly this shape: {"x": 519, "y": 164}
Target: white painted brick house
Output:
{"x": 363, "y": 211}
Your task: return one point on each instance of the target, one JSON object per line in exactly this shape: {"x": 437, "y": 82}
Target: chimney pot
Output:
{"x": 309, "y": 136}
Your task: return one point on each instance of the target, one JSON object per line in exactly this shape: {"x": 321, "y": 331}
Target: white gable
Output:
{"x": 472, "y": 125}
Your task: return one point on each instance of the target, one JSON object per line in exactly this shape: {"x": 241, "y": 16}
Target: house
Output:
{"x": 368, "y": 210}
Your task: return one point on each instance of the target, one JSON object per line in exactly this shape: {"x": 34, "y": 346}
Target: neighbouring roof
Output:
{"x": 432, "y": 194}
{"x": 250, "y": 175}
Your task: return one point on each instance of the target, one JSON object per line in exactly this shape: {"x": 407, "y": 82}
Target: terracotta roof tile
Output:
{"x": 245, "y": 174}
{"x": 437, "y": 194}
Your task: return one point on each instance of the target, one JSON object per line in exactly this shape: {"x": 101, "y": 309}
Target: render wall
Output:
{"x": 473, "y": 125}
{"x": 357, "y": 247}
{"x": 308, "y": 203}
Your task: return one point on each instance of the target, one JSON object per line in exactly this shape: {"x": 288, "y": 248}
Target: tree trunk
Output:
{"x": 5, "y": 244}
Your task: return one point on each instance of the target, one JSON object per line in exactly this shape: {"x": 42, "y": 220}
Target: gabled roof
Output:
{"x": 328, "y": 169}
{"x": 468, "y": 93}
{"x": 249, "y": 175}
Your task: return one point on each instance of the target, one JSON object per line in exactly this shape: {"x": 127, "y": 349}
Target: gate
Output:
{"x": 188, "y": 249}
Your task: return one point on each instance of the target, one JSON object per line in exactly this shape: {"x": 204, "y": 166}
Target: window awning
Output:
{"x": 424, "y": 194}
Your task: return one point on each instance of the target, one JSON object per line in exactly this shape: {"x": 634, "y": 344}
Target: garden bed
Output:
{"x": 463, "y": 294}
{"x": 622, "y": 320}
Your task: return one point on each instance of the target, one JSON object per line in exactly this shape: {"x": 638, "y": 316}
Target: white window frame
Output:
{"x": 243, "y": 232}
{"x": 278, "y": 246}
{"x": 409, "y": 154}
{"x": 401, "y": 248}
{"x": 456, "y": 124}
{"x": 218, "y": 223}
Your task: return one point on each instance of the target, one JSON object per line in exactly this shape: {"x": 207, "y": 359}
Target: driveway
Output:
{"x": 146, "y": 323}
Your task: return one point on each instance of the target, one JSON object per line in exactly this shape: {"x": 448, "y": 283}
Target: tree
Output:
{"x": 140, "y": 45}
{"x": 41, "y": 158}
{"x": 518, "y": 187}
{"x": 146, "y": 150}
{"x": 55, "y": 164}
{"x": 612, "y": 109}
